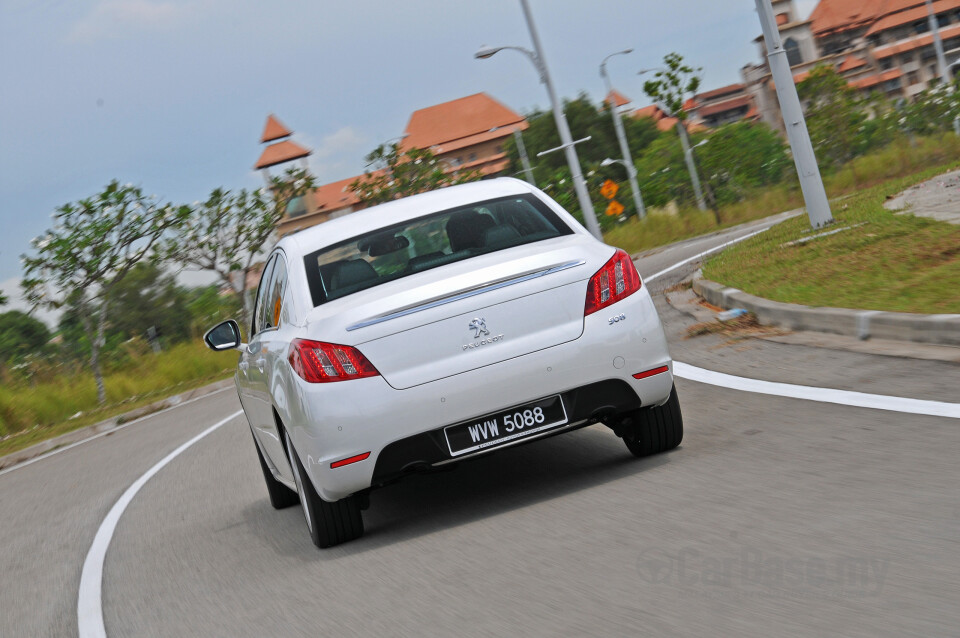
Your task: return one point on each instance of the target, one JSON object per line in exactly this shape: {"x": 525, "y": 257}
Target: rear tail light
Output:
{"x": 618, "y": 279}
{"x": 318, "y": 362}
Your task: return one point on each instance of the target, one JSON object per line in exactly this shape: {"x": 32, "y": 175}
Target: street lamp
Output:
{"x": 622, "y": 138}
{"x": 536, "y": 57}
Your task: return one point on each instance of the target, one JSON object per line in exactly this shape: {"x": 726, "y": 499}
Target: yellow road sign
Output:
{"x": 614, "y": 209}
{"x": 609, "y": 189}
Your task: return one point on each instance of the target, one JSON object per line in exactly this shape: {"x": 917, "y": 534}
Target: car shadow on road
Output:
{"x": 486, "y": 487}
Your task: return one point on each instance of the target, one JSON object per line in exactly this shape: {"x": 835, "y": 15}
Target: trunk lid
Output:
{"x": 469, "y": 314}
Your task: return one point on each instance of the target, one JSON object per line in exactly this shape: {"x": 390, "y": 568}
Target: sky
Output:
{"x": 172, "y": 95}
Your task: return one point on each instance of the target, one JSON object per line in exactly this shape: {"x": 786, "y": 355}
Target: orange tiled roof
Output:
{"x": 873, "y": 80}
{"x": 727, "y": 105}
{"x": 852, "y": 62}
{"x": 911, "y": 15}
{"x": 667, "y": 123}
{"x": 335, "y": 195}
{"x": 653, "y": 111}
{"x": 444, "y": 123}
{"x": 486, "y": 136}
{"x": 835, "y": 16}
{"x": 915, "y": 42}
{"x": 723, "y": 90}
{"x": 274, "y": 130}
{"x": 281, "y": 152}
{"x": 800, "y": 77}
{"x": 617, "y": 98}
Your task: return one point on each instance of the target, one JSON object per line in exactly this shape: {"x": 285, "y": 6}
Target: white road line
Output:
{"x": 110, "y": 431}
{"x": 90, "y": 600}
{"x": 89, "y": 603}
{"x": 821, "y": 395}
{"x": 703, "y": 254}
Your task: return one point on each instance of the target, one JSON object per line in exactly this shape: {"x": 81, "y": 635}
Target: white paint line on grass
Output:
{"x": 821, "y": 395}
{"x": 110, "y": 431}
{"x": 90, "y": 599}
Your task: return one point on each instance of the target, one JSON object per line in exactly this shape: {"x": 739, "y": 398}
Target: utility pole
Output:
{"x": 622, "y": 138}
{"x": 589, "y": 215}
{"x": 691, "y": 165}
{"x": 941, "y": 57}
{"x": 811, "y": 183}
{"x": 937, "y": 42}
{"x": 522, "y": 151}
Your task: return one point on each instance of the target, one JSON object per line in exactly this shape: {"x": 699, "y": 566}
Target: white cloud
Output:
{"x": 118, "y": 18}
{"x": 338, "y": 155}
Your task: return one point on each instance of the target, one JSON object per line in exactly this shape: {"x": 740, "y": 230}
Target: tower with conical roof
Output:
{"x": 280, "y": 149}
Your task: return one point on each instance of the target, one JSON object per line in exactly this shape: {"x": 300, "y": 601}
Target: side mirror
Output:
{"x": 223, "y": 336}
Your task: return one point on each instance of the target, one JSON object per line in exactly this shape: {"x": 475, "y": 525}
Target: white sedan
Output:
{"x": 436, "y": 328}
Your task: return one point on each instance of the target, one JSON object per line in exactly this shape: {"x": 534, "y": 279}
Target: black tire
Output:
{"x": 281, "y": 496}
{"x": 656, "y": 429}
{"x": 329, "y": 523}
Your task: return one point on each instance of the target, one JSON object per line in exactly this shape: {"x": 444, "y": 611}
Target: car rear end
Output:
{"x": 450, "y": 358}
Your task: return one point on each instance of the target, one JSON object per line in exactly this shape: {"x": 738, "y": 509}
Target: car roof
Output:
{"x": 397, "y": 211}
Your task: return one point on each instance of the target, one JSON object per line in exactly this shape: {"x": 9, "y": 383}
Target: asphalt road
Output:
{"x": 775, "y": 517}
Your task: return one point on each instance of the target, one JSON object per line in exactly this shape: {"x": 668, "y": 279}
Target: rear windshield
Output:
{"x": 428, "y": 242}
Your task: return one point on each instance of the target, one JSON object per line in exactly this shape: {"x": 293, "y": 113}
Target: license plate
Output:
{"x": 504, "y": 426}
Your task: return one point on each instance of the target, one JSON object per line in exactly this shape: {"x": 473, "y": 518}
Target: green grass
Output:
{"x": 32, "y": 412}
{"x": 901, "y": 159}
{"x": 883, "y": 261}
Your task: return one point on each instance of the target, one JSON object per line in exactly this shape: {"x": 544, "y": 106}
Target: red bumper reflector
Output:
{"x": 650, "y": 373}
{"x": 348, "y": 461}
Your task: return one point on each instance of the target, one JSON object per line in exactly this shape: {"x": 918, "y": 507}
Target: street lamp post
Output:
{"x": 622, "y": 138}
{"x": 811, "y": 183}
{"x": 941, "y": 57}
{"x": 536, "y": 56}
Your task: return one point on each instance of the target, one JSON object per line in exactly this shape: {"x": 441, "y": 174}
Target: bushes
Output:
{"x": 27, "y": 403}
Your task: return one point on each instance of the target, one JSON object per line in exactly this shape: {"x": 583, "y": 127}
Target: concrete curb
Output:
{"x": 75, "y": 436}
{"x": 863, "y": 324}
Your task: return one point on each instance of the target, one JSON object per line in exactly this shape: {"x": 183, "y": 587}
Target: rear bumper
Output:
{"x": 427, "y": 449}
{"x": 403, "y": 429}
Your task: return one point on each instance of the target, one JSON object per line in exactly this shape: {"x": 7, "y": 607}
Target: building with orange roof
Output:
{"x": 467, "y": 133}
{"x": 731, "y": 103}
{"x": 464, "y": 134}
{"x": 877, "y": 45}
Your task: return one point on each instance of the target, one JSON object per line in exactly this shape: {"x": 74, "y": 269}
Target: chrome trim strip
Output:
{"x": 466, "y": 294}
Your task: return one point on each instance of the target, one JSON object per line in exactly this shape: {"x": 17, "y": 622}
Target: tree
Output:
{"x": 671, "y": 87}
{"x": 834, "y": 113}
{"x": 147, "y": 297}
{"x": 94, "y": 244}
{"x": 393, "y": 173}
{"x": 226, "y": 233}
{"x": 673, "y": 84}
{"x": 20, "y": 336}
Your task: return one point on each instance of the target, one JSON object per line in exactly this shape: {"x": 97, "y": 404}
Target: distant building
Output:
{"x": 464, "y": 134}
{"x": 468, "y": 133}
{"x": 721, "y": 106}
{"x": 877, "y": 45}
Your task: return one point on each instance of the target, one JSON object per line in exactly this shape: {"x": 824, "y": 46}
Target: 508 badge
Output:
{"x": 618, "y": 318}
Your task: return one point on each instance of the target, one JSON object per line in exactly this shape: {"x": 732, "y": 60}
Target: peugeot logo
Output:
{"x": 479, "y": 326}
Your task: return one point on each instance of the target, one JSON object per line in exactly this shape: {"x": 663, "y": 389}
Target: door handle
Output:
{"x": 260, "y": 363}
{"x": 244, "y": 366}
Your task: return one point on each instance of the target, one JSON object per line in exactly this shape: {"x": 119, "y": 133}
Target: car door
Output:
{"x": 258, "y": 403}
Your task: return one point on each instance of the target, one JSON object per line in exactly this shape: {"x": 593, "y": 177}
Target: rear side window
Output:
{"x": 428, "y": 242}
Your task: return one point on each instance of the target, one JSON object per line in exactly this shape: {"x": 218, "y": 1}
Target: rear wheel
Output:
{"x": 655, "y": 429}
{"x": 281, "y": 496}
{"x": 329, "y": 523}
